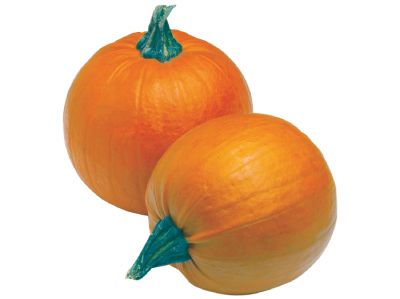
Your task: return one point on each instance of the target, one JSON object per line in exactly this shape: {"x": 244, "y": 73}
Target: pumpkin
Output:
{"x": 135, "y": 97}
{"x": 240, "y": 204}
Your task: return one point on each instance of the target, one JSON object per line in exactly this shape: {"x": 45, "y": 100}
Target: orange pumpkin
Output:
{"x": 135, "y": 97}
{"x": 239, "y": 205}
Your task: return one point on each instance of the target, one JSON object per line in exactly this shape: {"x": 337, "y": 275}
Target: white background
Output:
{"x": 330, "y": 67}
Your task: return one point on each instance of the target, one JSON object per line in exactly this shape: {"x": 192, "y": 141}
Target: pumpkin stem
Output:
{"x": 166, "y": 245}
{"x": 158, "y": 42}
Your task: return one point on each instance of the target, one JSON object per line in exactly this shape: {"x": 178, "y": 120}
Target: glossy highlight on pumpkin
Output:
{"x": 253, "y": 197}
{"x": 125, "y": 108}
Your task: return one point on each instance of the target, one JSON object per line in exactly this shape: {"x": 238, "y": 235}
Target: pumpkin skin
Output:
{"x": 123, "y": 111}
{"x": 254, "y": 198}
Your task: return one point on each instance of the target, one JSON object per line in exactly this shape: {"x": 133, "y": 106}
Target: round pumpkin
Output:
{"x": 240, "y": 204}
{"x": 135, "y": 97}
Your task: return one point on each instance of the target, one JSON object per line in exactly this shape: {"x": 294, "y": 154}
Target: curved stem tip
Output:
{"x": 158, "y": 42}
{"x": 166, "y": 245}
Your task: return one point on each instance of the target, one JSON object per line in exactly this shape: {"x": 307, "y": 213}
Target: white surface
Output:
{"x": 330, "y": 67}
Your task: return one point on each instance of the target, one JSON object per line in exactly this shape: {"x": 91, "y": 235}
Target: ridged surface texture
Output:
{"x": 123, "y": 111}
{"x": 254, "y": 198}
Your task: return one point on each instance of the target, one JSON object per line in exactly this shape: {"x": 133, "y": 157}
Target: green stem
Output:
{"x": 158, "y": 42}
{"x": 166, "y": 245}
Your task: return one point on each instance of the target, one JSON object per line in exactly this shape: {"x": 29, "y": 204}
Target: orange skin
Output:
{"x": 254, "y": 198}
{"x": 123, "y": 111}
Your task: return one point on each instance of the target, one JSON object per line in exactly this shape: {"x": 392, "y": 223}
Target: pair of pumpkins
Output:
{"x": 160, "y": 123}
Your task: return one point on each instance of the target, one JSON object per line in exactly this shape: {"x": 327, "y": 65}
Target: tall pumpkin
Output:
{"x": 135, "y": 97}
{"x": 240, "y": 204}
